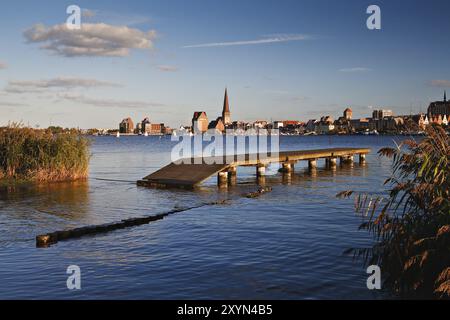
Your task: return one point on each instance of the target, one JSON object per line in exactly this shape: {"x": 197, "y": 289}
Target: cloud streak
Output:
{"x": 32, "y": 86}
{"x": 109, "y": 103}
{"x": 92, "y": 40}
{"x": 167, "y": 68}
{"x": 12, "y": 104}
{"x": 440, "y": 83}
{"x": 268, "y": 40}
{"x": 355, "y": 69}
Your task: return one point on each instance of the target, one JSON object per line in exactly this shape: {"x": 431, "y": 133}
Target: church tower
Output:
{"x": 226, "y": 115}
{"x": 445, "y": 96}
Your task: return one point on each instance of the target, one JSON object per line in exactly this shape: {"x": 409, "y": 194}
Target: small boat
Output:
{"x": 146, "y": 134}
{"x": 118, "y": 135}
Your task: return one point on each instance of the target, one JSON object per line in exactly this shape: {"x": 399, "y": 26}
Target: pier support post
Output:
{"x": 286, "y": 167}
{"x": 332, "y": 162}
{"x": 312, "y": 163}
{"x": 222, "y": 178}
{"x": 260, "y": 170}
{"x": 362, "y": 157}
{"x": 232, "y": 175}
{"x": 347, "y": 159}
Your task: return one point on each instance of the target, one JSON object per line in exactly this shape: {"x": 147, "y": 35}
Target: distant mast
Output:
{"x": 226, "y": 115}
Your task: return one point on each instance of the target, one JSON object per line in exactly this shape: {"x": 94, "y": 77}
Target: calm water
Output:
{"x": 287, "y": 244}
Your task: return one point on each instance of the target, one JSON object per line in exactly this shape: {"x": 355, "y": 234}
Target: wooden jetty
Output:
{"x": 190, "y": 172}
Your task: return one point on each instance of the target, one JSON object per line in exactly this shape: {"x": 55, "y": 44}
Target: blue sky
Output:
{"x": 166, "y": 59}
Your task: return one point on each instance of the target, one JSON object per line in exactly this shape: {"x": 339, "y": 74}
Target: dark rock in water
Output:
{"x": 258, "y": 193}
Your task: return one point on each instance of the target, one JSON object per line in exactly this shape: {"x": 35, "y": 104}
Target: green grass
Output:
{"x": 28, "y": 154}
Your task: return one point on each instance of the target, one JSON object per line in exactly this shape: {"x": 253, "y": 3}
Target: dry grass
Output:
{"x": 41, "y": 156}
{"x": 412, "y": 224}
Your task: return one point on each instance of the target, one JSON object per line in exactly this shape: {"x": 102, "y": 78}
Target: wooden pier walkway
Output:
{"x": 187, "y": 173}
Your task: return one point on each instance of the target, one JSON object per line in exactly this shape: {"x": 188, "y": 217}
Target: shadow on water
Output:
{"x": 68, "y": 200}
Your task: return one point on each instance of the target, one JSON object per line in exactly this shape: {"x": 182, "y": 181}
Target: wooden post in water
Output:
{"x": 287, "y": 167}
{"x": 362, "y": 158}
{"x": 232, "y": 175}
{"x": 222, "y": 179}
{"x": 347, "y": 159}
{"x": 312, "y": 163}
{"x": 332, "y": 162}
{"x": 260, "y": 170}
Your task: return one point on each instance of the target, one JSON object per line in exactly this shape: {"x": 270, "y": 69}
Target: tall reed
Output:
{"x": 39, "y": 155}
{"x": 411, "y": 224}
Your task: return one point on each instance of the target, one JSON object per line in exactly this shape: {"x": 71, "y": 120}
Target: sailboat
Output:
{"x": 146, "y": 134}
{"x": 118, "y": 134}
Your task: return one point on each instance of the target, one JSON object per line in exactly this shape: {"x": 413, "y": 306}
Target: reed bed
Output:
{"x": 28, "y": 154}
{"x": 411, "y": 224}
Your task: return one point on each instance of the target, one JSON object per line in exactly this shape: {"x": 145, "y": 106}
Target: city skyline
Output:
{"x": 140, "y": 59}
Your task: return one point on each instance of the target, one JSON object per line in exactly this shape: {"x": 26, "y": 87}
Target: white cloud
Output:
{"x": 272, "y": 39}
{"x": 167, "y": 68}
{"x": 355, "y": 69}
{"x": 109, "y": 103}
{"x": 440, "y": 83}
{"x": 30, "y": 86}
{"x": 93, "y": 39}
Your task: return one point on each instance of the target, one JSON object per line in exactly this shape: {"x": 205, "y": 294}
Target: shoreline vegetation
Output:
{"x": 411, "y": 223}
{"x": 41, "y": 155}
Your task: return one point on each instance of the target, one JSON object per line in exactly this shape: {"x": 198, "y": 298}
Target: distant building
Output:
{"x": 217, "y": 125}
{"x": 380, "y": 114}
{"x": 348, "y": 113}
{"x": 363, "y": 124}
{"x": 390, "y": 124}
{"x": 126, "y": 126}
{"x": 199, "y": 122}
{"x": 420, "y": 120}
{"x": 226, "y": 114}
{"x": 145, "y": 126}
{"x": 277, "y": 124}
{"x": 325, "y": 125}
{"x": 156, "y": 129}
{"x": 260, "y": 124}
{"x": 311, "y": 125}
{"x": 439, "y": 107}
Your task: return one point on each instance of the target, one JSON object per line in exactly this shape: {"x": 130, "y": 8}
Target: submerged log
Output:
{"x": 46, "y": 240}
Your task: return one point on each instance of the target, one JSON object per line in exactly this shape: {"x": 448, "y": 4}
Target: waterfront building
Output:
{"x": 156, "y": 129}
{"x": 439, "y": 108}
{"x": 311, "y": 125}
{"x": 199, "y": 122}
{"x": 380, "y": 114}
{"x": 146, "y": 126}
{"x": 126, "y": 126}
{"x": 277, "y": 124}
{"x": 420, "y": 120}
{"x": 138, "y": 128}
{"x": 325, "y": 125}
{"x": 259, "y": 124}
{"x": 217, "y": 125}
{"x": 363, "y": 124}
{"x": 348, "y": 113}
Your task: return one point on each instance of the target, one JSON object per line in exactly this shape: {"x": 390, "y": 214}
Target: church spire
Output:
{"x": 226, "y": 115}
{"x": 445, "y": 95}
{"x": 226, "y": 107}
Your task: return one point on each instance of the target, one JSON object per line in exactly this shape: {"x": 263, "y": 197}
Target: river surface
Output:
{"x": 286, "y": 244}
